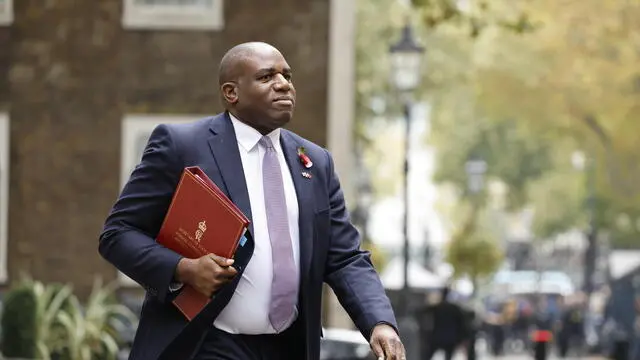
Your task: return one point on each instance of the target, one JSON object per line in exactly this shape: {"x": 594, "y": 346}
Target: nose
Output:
{"x": 281, "y": 83}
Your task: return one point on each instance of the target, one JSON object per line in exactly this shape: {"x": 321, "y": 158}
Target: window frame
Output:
{"x": 4, "y": 195}
{"x": 6, "y": 17}
{"x": 132, "y": 127}
{"x": 137, "y": 16}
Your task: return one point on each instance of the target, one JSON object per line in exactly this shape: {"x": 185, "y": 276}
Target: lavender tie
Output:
{"x": 284, "y": 285}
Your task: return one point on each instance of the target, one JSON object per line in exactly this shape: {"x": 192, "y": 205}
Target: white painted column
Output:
{"x": 4, "y": 195}
{"x": 341, "y": 114}
{"x": 341, "y": 97}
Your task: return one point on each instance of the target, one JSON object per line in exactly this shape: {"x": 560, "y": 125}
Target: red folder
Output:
{"x": 200, "y": 220}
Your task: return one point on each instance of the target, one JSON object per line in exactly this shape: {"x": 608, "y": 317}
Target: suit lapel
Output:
{"x": 224, "y": 148}
{"x": 304, "y": 193}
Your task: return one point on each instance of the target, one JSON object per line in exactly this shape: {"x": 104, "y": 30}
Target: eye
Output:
{"x": 288, "y": 77}
{"x": 265, "y": 77}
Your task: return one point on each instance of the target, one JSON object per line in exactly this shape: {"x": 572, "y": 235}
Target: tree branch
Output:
{"x": 595, "y": 126}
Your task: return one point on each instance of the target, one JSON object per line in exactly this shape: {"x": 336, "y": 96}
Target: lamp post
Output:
{"x": 584, "y": 163}
{"x": 406, "y": 56}
{"x": 475, "y": 168}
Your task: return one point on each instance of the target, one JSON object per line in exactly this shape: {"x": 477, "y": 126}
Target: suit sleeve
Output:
{"x": 128, "y": 238}
{"x": 349, "y": 270}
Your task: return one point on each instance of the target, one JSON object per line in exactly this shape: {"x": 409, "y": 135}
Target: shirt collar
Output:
{"x": 248, "y": 137}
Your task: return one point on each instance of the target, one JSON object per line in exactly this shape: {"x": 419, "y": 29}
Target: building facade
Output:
{"x": 82, "y": 84}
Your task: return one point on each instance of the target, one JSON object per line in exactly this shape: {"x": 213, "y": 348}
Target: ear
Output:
{"x": 229, "y": 92}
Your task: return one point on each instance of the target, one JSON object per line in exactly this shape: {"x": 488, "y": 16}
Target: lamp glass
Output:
{"x": 476, "y": 167}
{"x": 406, "y": 69}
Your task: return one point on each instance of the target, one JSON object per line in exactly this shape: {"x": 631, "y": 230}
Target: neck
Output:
{"x": 246, "y": 120}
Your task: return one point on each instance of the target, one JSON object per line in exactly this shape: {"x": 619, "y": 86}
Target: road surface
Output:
{"x": 461, "y": 356}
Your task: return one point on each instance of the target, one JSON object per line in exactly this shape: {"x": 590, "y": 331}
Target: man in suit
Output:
{"x": 267, "y": 302}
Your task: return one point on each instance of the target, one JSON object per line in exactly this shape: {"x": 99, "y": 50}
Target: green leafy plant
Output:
{"x": 50, "y": 301}
{"x": 19, "y": 334}
{"x": 46, "y": 321}
{"x": 91, "y": 332}
{"x": 473, "y": 252}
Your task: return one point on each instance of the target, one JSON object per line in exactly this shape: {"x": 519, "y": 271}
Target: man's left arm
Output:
{"x": 353, "y": 278}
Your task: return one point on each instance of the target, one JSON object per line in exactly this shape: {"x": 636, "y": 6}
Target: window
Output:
{"x": 6, "y": 12}
{"x": 136, "y": 130}
{"x": 4, "y": 194}
{"x": 173, "y": 14}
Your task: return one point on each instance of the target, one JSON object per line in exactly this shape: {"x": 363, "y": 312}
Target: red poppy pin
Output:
{"x": 304, "y": 159}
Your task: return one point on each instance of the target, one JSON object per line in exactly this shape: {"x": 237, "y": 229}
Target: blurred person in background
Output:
{"x": 495, "y": 323}
{"x": 571, "y": 335}
{"x": 523, "y": 323}
{"x": 636, "y": 330}
{"x": 267, "y": 302}
{"x": 442, "y": 327}
{"x": 473, "y": 323}
{"x": 510, "y": 315}
{"x": 543, "y": 327}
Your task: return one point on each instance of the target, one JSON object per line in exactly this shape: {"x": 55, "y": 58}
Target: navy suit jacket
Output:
{"x": 329, "y": 244}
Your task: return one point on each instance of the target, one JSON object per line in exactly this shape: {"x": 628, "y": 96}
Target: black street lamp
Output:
{"x": 587, "y": 164}
{"x": 406, "y": 56}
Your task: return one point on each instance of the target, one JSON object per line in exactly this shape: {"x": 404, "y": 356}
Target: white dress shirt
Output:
{"x": 248, "y": 310}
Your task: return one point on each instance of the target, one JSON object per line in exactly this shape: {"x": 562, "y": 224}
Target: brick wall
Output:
{"x": 177, "y": 71}
{"x": 73, "y": 72}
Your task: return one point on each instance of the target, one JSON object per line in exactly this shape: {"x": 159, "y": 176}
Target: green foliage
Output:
{"x": 378, "y": 25}
{"x": 569, "y": 84}
{"x": 512, "y": 156}
{"x": 472, "y": 251}
{"x": 374, "y": 34}
{"x": 475, "y": 16}
{"x": 19, "y": 331}
{"x": 64, "y": 328}
{"x": 580, "y": 78}
{"x": 557, "y": 203}
{"x": 524, "y": 85}
{"x": 91, "y": 331}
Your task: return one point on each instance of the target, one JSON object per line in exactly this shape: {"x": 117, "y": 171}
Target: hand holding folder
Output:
{"x": 200, "y": 221}
{"x": 207, "y": 274}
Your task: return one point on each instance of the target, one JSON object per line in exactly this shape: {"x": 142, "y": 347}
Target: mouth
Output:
{"x": 284, "y": 101}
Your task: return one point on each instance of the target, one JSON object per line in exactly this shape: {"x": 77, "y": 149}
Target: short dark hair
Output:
{"x": 227, "y": 71}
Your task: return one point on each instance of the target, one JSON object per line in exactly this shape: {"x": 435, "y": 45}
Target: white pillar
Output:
{"x": 341, "y": 114}
{"x": 4, "y": 194}
{"x": 341, "y": 97}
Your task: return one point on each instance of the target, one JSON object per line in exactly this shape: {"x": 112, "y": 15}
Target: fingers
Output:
{"x": 224, "y": 269}
{"x": 377, "y": 350}
{"x": 228, "y": 272}
{"x": 389, "y": 350}
{"x": 221, "y": 261}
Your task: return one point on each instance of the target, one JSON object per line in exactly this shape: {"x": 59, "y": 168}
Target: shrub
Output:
{"x": 91, "y": 329}
{"x": 19, "y": 323}
{"x": 46, "y": 321}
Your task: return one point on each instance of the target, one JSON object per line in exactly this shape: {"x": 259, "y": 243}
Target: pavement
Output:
{"x": 460, "y": 356}
{"x": 482, "y": 354}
